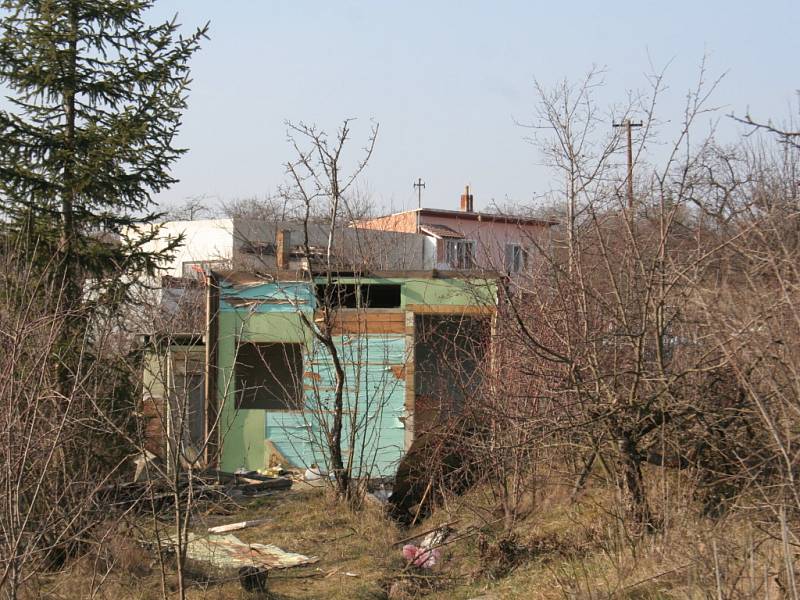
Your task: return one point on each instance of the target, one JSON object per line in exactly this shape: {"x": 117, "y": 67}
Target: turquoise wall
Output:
{"x": 374, "y": 405}
{"x": 374, "y": 395}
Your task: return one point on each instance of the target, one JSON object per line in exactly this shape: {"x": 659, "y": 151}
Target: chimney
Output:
{"x": 282, "y": 241}
{"x": 466, "y": 200}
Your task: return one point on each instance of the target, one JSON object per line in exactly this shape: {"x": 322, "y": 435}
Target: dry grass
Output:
{"x": 567, "y": 551}
{"x": 309, "y": 522}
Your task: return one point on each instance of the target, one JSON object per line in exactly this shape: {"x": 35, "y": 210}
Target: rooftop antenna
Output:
{"x": 419, "y": 185}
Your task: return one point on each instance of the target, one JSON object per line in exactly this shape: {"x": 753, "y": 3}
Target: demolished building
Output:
{"x": 259, "y": 385}
{"x": 254, "y": 386}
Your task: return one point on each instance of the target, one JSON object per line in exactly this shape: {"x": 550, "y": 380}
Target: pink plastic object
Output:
{"x": 421, "y": 557}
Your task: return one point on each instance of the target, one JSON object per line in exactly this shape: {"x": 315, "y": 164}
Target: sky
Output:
{"x": 449, "y": 83}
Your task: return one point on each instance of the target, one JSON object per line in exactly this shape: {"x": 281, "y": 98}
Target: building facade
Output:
{"x": 465, "y": 239}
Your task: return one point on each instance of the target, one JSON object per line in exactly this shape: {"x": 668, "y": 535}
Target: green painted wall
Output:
{"x": 274, "y": 320}
{"x": 243, "y": 430}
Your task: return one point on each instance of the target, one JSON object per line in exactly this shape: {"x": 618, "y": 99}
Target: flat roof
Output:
{"x": 476, "y": 216}
{"x": 256, "y": 278}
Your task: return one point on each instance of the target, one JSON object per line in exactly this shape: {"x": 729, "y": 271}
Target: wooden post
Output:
{"x": 628, "y": 125}
{"x": 212, "y": 445}
{"x": 282, "y": 243}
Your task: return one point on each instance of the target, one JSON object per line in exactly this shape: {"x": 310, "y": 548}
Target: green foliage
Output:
{"x": 89, "y": 137}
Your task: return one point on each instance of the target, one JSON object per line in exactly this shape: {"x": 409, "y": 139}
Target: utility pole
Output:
{"x": 628, "y": 125}
{"x": 419, "y": 185}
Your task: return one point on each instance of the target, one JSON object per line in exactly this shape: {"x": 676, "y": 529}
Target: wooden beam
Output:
{"x": 213, "y": 444}
{"x": 367, "y": 322}
{"x": 451, "y": 309}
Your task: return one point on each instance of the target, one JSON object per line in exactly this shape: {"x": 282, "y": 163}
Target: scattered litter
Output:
{"x": 236, "y": 526}
{"x": 437, "y": 537}
{"x": 421, "y": 557}
{"x": 348, "y": 574}
{"x": 154, "y": 491}
{"x": 230, "y": 551}
{"x": 314, "y": 473}
{"x": 427, "y": 554}
{"x": 445, "y": 526}
{"x": 275, "y": 471}
{"x": 382, "y": 494}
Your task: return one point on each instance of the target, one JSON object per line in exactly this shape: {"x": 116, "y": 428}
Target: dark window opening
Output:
{"x": 380, "y": 296}
{"x": 516, "y": 259}
{"x": 338, "y": 295}
{"x": 269, "y": 376}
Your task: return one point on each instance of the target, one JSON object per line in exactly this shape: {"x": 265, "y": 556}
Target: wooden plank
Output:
{"x": 384, "y": 317}
{"x": 368, "y": 322}
{"x": 213, "y": 436}
{"x": 451, "y": 309}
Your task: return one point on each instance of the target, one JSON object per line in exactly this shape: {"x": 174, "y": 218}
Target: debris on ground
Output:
{"x": 274, "y": 471}
{"x": 423, "y": 558}
{"x": 229, "y": 551}
{"x": 252, "y": 483}
{"x": 314, "y": 473}
{"x": 382, "y": 494}
{"x": 147, "y": 464}
{"x": 155, "y": 492}
{"x": 237, "y": 526}
{"x": 427, "y": 554}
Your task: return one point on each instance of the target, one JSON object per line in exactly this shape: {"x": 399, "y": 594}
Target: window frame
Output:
{"x": 515, "y": 253}
{"x": 246, "y": 396}
{"x": 460, "y": 253}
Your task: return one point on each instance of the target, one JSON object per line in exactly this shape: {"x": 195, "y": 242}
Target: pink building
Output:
{"x": 465, "y": 239}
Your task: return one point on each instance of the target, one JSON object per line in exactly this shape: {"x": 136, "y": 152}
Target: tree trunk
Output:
{"x": 67, "y": 272}
{"x": 632, "y": 483}
{"x": 337, "y": 462}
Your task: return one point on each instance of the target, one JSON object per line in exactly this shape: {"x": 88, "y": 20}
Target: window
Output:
{"x": 460, "y": 254}
{"x": 338, "y": 295}
{"x": 351, "y": 295}
{"x": 258, "y": 248}
{"x": 269, "y": 376}
{"x": 380, "y": 296}
{"x": 516, "y": 258}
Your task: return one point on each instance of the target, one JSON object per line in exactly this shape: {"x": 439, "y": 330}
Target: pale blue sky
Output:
{"x": 446, "y": 81}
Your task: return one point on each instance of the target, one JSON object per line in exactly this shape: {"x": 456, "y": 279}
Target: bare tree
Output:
{"x": 612, "y": 315}
{"x": 320, "y": 177}
{"x": 58, "y": 454}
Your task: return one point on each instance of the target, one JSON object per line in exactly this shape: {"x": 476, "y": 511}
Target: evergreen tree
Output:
{"x": 97, "y": 100}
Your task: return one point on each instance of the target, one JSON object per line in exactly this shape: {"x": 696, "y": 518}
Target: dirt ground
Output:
{"x": 560, "y": 550}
